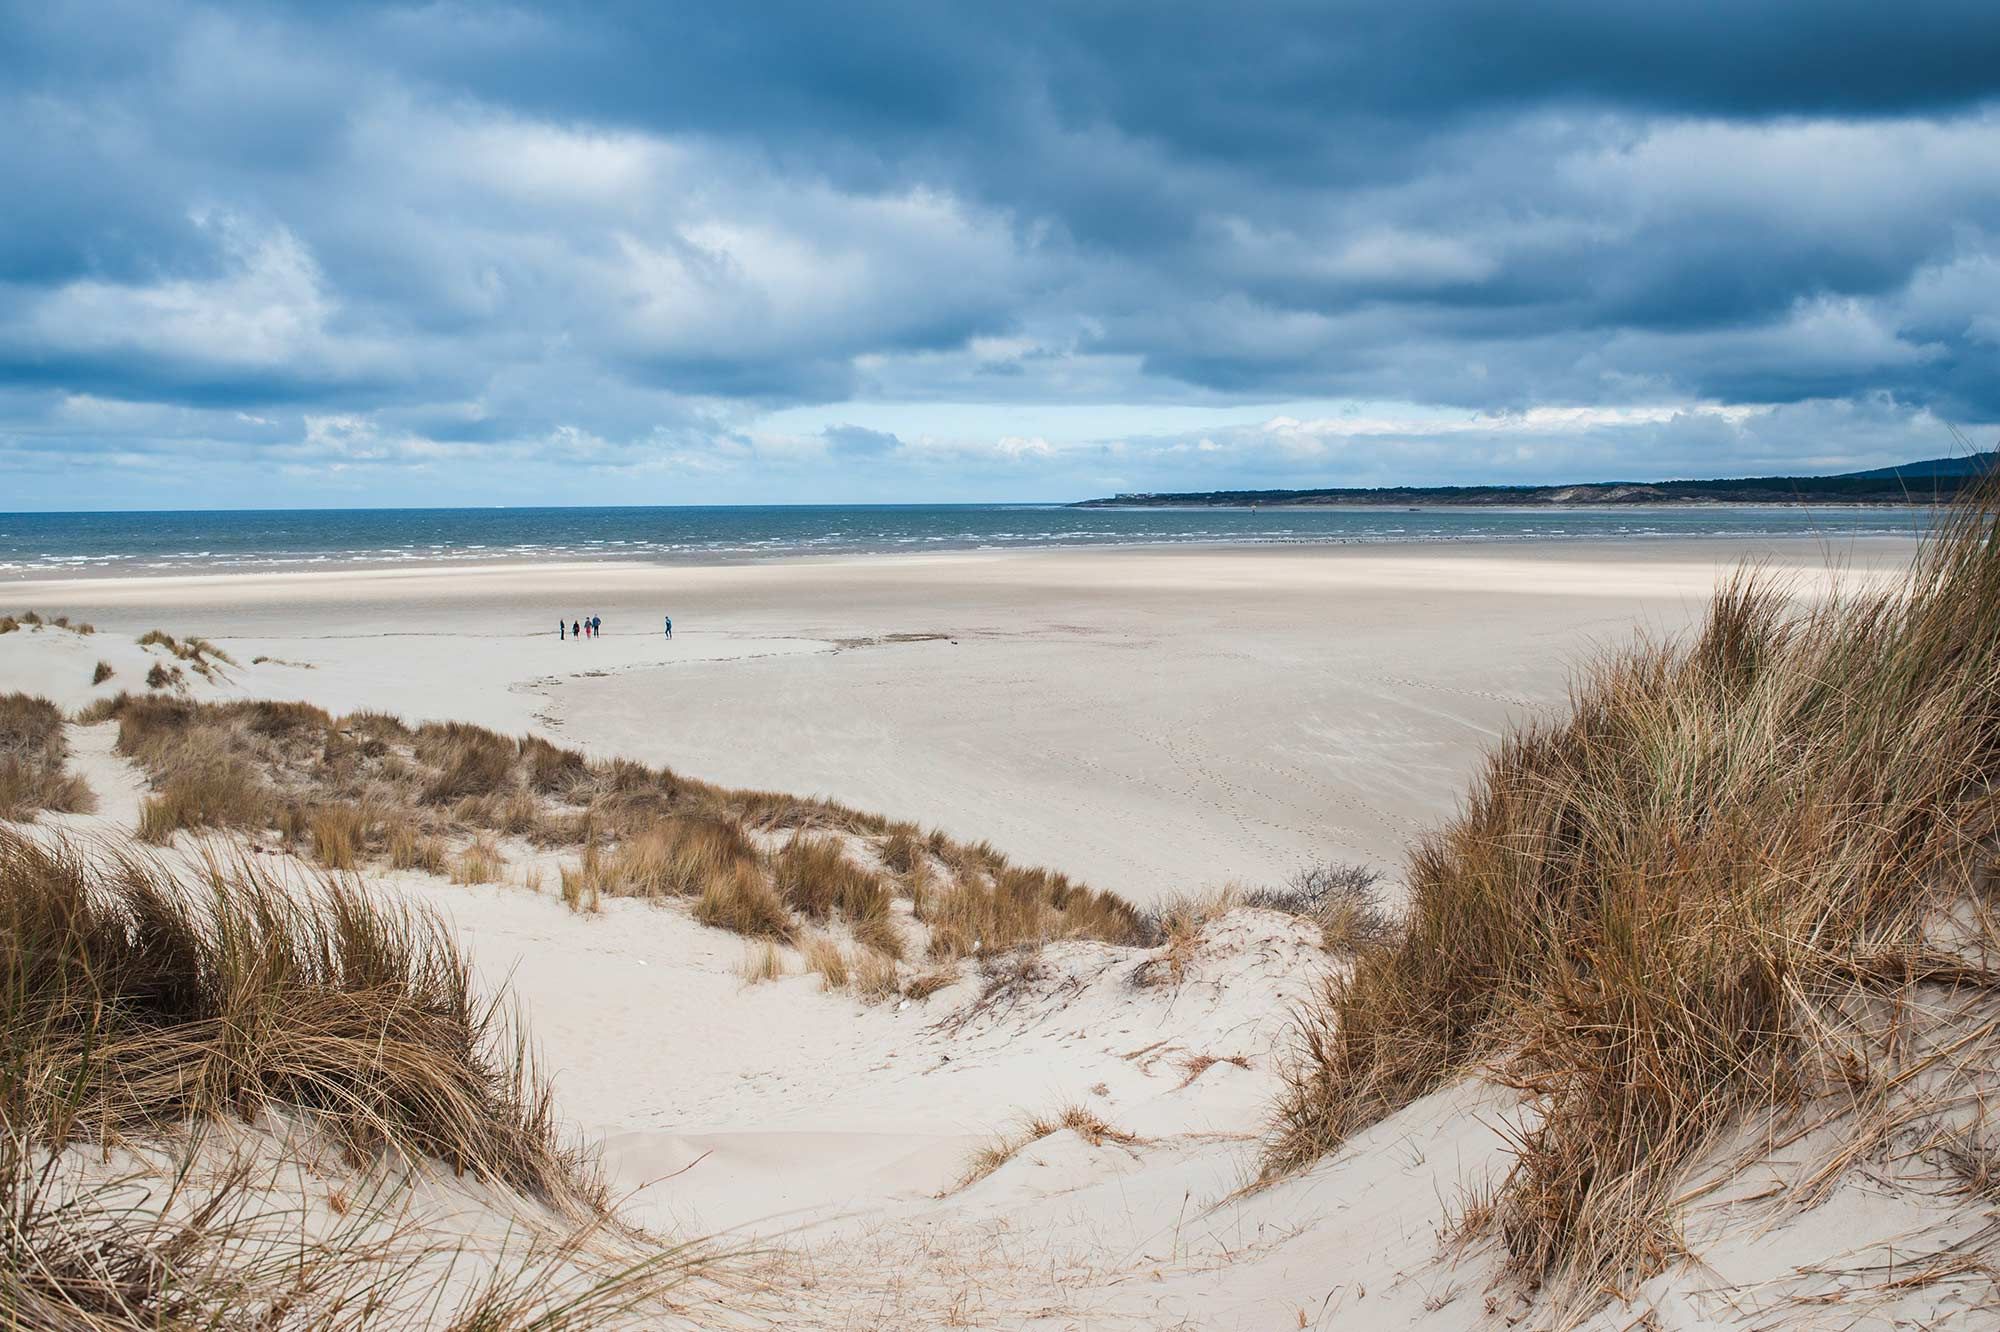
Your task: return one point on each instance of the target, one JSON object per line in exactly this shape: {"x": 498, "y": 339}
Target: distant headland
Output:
{"x": 1926, "y": 482}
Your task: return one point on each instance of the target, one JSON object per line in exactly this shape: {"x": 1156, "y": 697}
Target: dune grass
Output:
{"x": 639, "y": 831}
{"x": 34, "y": 755}
{"x": 137, "y": 1008}
{"x": 34, "y": 620}
{"x": 134, "y": 1002}
{"x": 1667, "y": 909}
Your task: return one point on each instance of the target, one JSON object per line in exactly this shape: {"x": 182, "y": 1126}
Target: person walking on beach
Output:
{"x": 559, "y": 630}
{"x": 596, "y": 626}
{"x": 575, "y": 630}
{"x": 670, "y": 626}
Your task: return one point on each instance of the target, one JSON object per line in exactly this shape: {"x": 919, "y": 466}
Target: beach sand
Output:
{"x": 1153, "y": 720}
{"x": 1158, "y": 720}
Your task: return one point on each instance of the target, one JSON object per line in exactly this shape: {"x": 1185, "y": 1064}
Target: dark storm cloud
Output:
{"x": 603, "y": 231}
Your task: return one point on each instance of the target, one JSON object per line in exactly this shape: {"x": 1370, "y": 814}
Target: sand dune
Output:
{"x": 1159, "y": 719}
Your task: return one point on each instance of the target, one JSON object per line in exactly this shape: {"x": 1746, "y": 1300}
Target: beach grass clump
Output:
{"x": 550, "y": 769}
{"x": 678, "y": 856}
{"x": 34, "y": 755}
{"x": 818, "y": 879}
{"x": 204, "y": 775}
{"x": 762, "y": 962}
{"x": 824, "y": 956}
{"x": 411, "y": 847}
{"x": 983, "y": 911}
{"x": 744, "y": 902}
{"x": 480, "y": 861}
{"x": 1673, "y": 906}
{"x": 468, "y": 760}
{"x": 102, "y": 672}
{"x": 139, "y": 1010}
{"x": 200, "y": 655}
{"x": 135, "y": 1003}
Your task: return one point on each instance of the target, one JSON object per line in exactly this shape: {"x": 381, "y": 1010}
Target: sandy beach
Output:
{"x": 1152, "y": 720}
{"x": 1158, "y": 722}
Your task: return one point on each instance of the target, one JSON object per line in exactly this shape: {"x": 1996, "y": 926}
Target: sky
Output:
{"x": 651, "y": 253}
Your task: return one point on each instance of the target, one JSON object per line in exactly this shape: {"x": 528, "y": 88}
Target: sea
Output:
{"x": 127, "y": 543}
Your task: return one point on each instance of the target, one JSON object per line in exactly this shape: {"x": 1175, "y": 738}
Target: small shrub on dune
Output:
{"x": 9, "y": 625}
{"x": 1341, "y": 899}
{"x": 163, "y": 676}
{"x": 102, "y": 673}
{"x": 741, "y": 901}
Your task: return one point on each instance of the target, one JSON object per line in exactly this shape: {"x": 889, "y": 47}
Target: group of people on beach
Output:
{"x": 593, "y": 627}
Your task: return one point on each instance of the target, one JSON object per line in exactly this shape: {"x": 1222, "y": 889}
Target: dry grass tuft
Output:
{"x": 1178, "y": 925}
{"x": 163, "y": 676}
{"x": 339, "y": 833}
{"x": 1077, "y": 1119}
{"x": 102, "y": 673}
{"x": 823, "y": 954}
{"x": 411, "y": 848}
{"x": 201, "y": 656}
{"x": 470, "y": 760}
{"x": 1017, "y": 908}
{"x": 480, "y": 862}
{"x": 927, "y": 983}
{"x": 743, "y": 902}
{"x": 582, "y": 889}
{"x": 1664, "y": 912}
{"x": 816, "y": 877}
{"x": 677, "y": 857}
{"x": 762, "y": 962}
{"x": 34, "y": 755}
{"x": 875, "y": 976}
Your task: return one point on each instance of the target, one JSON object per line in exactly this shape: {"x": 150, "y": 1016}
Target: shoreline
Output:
{"x": 570, "y": 562}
